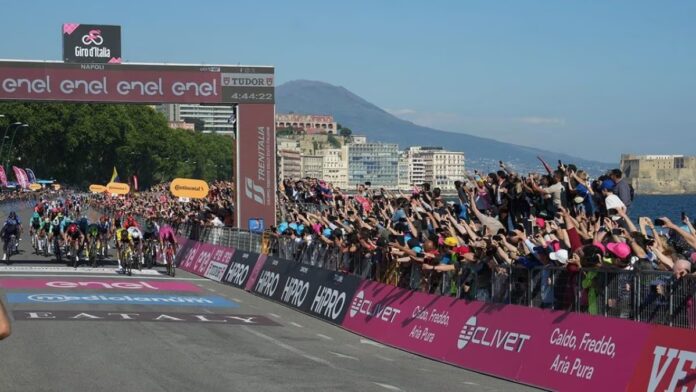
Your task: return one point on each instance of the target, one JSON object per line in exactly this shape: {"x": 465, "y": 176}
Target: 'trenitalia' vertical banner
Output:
{"x": 256, "y": 165}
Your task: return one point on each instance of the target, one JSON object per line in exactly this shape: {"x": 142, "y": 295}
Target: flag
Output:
{"x": 19, "y": 175}
{"x": 32, "y": 177}
{"x": 135, "y": 182}
{"x": 114, "y": 176}
{"x": 546, "y": 165}
{"x": 3, "y": 176}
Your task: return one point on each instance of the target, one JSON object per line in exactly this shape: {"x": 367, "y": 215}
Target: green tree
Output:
{"x": 79, "y": 144}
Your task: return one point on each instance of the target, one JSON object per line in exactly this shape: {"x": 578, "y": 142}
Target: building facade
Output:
{"x": 335, "y": 167}
{"x": 660, "y": 174}
{"x": 215, "y": 118}
{"x": 376, "y": 163}
{"x": 289, "y": 164}
{"x": 434, "y": 165}
{"x": 310, "y": 123}
{"x": 312, "y": 166}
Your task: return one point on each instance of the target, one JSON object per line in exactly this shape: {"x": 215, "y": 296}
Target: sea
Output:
{"x": 670, "y": 206}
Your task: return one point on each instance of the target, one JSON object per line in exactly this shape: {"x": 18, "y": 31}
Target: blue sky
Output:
{"x": 588, "y": 78}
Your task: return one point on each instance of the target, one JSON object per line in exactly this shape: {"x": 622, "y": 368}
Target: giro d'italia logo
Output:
{"x": 467, "y": 332}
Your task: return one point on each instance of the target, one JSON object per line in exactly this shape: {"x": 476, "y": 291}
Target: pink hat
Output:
{"x": 600, "y": 246}
{"x": 541, "y": 222}
{"x": 619, "y": 249}
{"x": 693, "y": 258}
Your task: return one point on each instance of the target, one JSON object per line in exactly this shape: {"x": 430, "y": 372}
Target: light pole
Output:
{"x": 9, "y": 150}
{"x": 2, "y": 146}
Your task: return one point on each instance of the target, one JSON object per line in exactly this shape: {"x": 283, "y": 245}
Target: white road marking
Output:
{"x": 238, "y": 300}
{"x": 371, "y": 343}
{"x": 387, "y": 386}
{"x": 289, "y": 347}
{"x": 294, "y": 324}
{"x": 274, "y": 315}
{"x": 116, "y": 276}
{"x": 211, "y": 289}
{"x": 343, "y": 356}
{"x": 384, "y": 358}
{"x": 469, "y": 383}
{"x": 324, "y": 337}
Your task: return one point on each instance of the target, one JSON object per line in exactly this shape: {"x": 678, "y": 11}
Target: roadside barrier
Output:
{"x": 552, "y": 349}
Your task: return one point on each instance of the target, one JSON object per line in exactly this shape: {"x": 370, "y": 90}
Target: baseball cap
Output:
{"x": 619, "y": 249}
{"x": 451, "y": 241}
{"x": 560, "y": 255}
{"x": 462, "y": 250}
{"x": 326, "y": 232}
{"x": 607, "y": 184}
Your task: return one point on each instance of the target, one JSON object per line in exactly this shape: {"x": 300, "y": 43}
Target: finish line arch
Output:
{"x": 251, "y": 88}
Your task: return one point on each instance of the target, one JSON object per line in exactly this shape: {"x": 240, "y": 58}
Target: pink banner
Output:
{"x": 19, "y": 176}
{"x": 98, "y": 284}
{"x": 556, "y": 350}
{"x": 206, "y": 260}
{"x": 3, "y": 176}
{"x": 25, "y": 178}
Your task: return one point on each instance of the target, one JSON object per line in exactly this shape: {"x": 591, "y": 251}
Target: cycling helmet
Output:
{"x": 135, "y": 235}
{"x": 56, "y": 222}
{"x": 35, "y": 215}
{"x": 12, "y": 215}
{"x": 72, "y": 229}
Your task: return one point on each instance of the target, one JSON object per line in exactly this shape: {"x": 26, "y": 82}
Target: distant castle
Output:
{"x": 660, "y": 174}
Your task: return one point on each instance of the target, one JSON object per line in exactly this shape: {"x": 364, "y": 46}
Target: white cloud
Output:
{"x": 537, "y": 120}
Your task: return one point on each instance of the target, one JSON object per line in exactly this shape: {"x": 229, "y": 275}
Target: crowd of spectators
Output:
{"x": 158, "y": 203}
{"x": 496, "y": 223}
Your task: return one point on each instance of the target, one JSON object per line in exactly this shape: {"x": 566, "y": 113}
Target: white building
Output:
{"x": 312, "y": 166}
{"x": 216, "y": 118}
{"x": 435, "y": 165}
{"x": 335, "y": 166}
{"x": 289, "y": 164}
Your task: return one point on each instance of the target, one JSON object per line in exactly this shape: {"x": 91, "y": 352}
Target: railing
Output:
{"x": 646, "y": 296}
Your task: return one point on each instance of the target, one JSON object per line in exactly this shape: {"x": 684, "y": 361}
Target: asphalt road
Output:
{"x": 219, "y": 344}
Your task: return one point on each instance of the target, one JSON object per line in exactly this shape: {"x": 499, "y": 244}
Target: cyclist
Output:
{"x": 92, "y": 237}
{"x": 35, "y": 224}
{"x": 123, "y": 241}
{"x": 55, "y": 232}
{"x": 75, "y": 238}
{"x": 11, "y": 227}
{"x": 130, "y": 222}
{"x": 137, "y": 243}
{"x": 150, "y": 236}
{"x": 166, "y": 234}
{"x": 44, "y": 228}
{"x": 104, "y": 228}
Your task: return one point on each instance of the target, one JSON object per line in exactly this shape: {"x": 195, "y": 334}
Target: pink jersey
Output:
{"x": 166, "y": 233}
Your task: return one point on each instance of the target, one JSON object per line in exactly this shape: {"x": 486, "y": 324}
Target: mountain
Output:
{"x": 364, "y": 118}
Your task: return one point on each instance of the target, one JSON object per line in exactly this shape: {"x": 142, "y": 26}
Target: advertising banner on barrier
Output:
{"x": 667, "y": 361}
{"x": 205, "y": 260}
{"x": 241, "y": 266}
{"x": 557, "y": 350}
{"x": 315, "y": 291}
